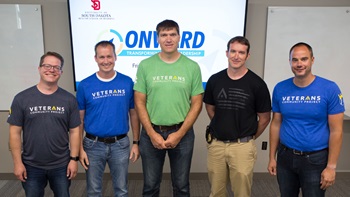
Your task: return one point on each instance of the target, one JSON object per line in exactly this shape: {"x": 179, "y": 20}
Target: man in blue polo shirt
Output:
{"x": 306, "y": 128}
{"x": 106, "y": 101}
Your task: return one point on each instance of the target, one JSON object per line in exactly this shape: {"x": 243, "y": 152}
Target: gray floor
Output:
{"x": 264, "y": 186}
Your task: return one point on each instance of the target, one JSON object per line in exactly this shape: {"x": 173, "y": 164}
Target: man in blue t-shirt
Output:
{"x": 306, "y": 128}
{"x": 106, "y": 102}
{"x": 47, "y": 117}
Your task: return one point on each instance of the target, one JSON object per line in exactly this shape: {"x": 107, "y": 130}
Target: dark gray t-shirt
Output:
{"x": 45, "y": 121}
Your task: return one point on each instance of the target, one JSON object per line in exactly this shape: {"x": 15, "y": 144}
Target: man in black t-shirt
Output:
{"x": 48, "y": 118}
{"x": 238, "y": 104}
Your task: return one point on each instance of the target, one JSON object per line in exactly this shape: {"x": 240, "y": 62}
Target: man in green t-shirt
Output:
{"x": 168, "y": 100}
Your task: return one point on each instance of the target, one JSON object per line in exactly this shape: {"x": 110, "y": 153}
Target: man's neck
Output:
{"x": 304, "y": 81}
{"x": 47, "y": 88}
{"x": 169, "y": 57}
{"x": 106, "y": 75}
{"x": 235, "y": 74}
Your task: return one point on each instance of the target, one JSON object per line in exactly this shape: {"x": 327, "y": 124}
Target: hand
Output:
{"x": 327, "y": 178}
{"x": 272, "y": 167}
{"x": 157, "y": 141}
{"x": 72, "y": 169}
{"x": 83, "y": 158}
{"x": 173, "y": 140}
{"x": 20, "y": 172}
{"x": 134, "y": 153}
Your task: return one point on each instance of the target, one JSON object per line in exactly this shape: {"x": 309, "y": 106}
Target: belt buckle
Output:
{"x": 105, "y": 140}
{"x": 109, "y": 140}
{"x": 295, "y": 152}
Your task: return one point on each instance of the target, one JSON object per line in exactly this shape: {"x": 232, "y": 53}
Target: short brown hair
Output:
{"x": 105, "y": 43}
{"x": 301, "y": 44}
{"x": 166, "y": 25}
{"x": 54, "y": 54}
{"x": 240, "y": 40}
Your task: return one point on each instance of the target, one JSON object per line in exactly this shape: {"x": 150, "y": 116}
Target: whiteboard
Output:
{"x": 21, "y": 46}
{"x": 326, "y": 29}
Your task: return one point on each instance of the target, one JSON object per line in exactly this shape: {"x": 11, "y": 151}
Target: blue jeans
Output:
{"x": 180, "y": 163}
{"x": 117, "y": 156}
{"x": 296, "y": 171}
{"x": 37, "y": 179}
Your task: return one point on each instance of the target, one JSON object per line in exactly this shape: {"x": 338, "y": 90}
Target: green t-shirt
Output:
{"x": 169, "y": 88}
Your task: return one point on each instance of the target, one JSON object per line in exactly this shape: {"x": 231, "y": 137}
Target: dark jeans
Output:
{"x": 180, "y": 163}
{"x": 300, "y": 171}
{"x": 37, "y": 180}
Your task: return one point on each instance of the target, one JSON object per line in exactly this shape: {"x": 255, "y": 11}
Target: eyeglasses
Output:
{"x": 49, "y": 66}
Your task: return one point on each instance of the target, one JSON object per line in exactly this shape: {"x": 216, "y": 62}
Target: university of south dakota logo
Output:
{"x": 96, "y": 5}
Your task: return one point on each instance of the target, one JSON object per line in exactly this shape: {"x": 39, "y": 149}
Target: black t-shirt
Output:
{"x": 237, "y": 103}
{"x": 45, "y": 121}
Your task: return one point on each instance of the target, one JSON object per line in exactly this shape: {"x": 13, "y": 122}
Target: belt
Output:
{"x": 107, "y": 140}
{"x": 301, "y": 153}
{"x": 239, "y": 140}
{"x": 164, "y": 128}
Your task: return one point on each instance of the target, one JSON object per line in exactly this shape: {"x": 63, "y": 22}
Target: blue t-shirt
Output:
{"x": 305, "y": 112}
{"x": 106, "y": 104}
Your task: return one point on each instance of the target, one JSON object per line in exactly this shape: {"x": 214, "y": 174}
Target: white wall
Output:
{"x": 57, "y": 38}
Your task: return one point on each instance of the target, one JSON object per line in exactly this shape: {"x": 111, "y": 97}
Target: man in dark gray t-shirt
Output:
{"x": 47, "y": 117}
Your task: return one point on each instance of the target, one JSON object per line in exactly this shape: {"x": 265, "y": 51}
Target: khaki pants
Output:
{"x": 232, "y": 162}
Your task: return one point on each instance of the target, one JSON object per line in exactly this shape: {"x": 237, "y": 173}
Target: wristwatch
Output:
{"x": 74, "y": 158}
{"x": 136, "y": 142}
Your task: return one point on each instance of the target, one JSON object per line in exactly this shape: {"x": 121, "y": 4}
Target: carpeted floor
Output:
{"x": 264, "y": 186}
